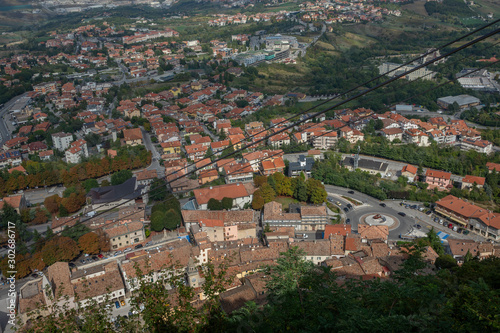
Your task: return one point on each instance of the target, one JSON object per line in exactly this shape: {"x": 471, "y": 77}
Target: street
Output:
{"x": 5, "y": 119}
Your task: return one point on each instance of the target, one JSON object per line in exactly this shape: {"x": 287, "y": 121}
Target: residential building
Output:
{"x": 470, "y": 181}
{"x": 133, "y": 136}
{"x": 125, "y": 234}
{"x": 417, "y": 137}
{"x": 370, "y": 166}
{"x": 76, "y": 152}
{"x": 61, "y": 140}
{"x": 238, "y": 173}
{"x": 172, "y": 147}
{"x": 325, "y": 140}
{"x": 409, "y": 171}
{"x": 481, "y": 146}
{"x": 439, "y": 179}
{"x": 242, "y": 194}
{"x": 392, "y": 134}
{"x": 18, "y": 202}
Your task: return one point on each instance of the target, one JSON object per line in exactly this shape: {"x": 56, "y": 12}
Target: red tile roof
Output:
{"x": 437, "y": 174}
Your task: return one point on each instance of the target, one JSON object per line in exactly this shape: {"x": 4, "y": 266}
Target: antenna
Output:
{"x": 356, "y": 159}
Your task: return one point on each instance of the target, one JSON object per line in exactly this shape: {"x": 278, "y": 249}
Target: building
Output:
{"x": 481, "y": 146}
{"x": 133, "y": 136}
{"x": 470, "y": 181}
{"x": 238, "y": 173}
{"x": 392, "y": 70}
{"x": 18, "y": 202}
{"x": 128, "y": 193}
{"x": 493, "y": 167}
{"x": 146, "y": 177}
{"x": 392, "y": 134}
{"x": 325, "y": 140}
{"x": 76, "y": 152}
{"x": 439, "y": 179}
{"x": 463, "y": 101}
{"x": 370, "y": 166}
{"x": 300, "y": 217}
{"x": 125, "y": 234}
{"x": 304, "y": 164}
{"x": 242, "y": 194}
{"x": 61, "y": 140}
{"x": 409, "y": 171}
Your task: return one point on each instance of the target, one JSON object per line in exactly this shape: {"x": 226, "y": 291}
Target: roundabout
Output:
{"x": 380, "y": 219}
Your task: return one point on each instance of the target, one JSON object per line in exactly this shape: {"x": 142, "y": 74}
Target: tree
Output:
{"x": 89, "y": 243}
{"x": 158, "y": 190}
{"x": 63, "y": 212}
{"x": 158, "y": 221}
{"x": 227, "y": 203}
{"x": 59, "y": 249}
{"x": 300, "y": 190}
{"x": 90, "y": 184}
{"x": 52, "y": 203}
{"x": 258, "y": 200}
{"x": 214, "y": 204}
{"x": 40, "y": 217}
{"x": 172, "y": 220}
{"x": 445, "y": 261}
{"x": 315, "y": 191}
{"x": 267, "y": 193}
{"x": 121, "y": 177}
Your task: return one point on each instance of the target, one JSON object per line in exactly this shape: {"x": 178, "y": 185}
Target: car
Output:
{"x": 128, "y": 249}
{"x": 117, "y": 304}
{"x": 122, "y": 302}
{"x": 40, "y": 273}
{"x": 338, "y": 203}
{"x": 83, "y": 261}
{"x": 95, "y": 258}
{"x": 34, "y": 275}
{"x": 72, "y": 265}
{"x": 138, "y": 246}
{"x": 349, "y": 206}
{"x": 100, "y": 256}
{"x": 118, "y": 253}
{"x": 450, "y": 225}
{"x": 330, "y": 199}
{"x": 460, "y": 230}
{"x": 346, "y": 209}
{"x": 348, "y": 221}
{"x": 418, "y": 226}
{"x": 350, "y": 192}
{"x": 402, "y": 214}
{"x": 436, "y": 219}
{"x": 382, "y": 204}
{"x": 466, "y": 232}
{"x": 149, "y": 243}
{"x": 89, "y": 260}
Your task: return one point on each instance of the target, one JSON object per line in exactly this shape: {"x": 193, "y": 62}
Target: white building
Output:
{"x": 61, "y": 140}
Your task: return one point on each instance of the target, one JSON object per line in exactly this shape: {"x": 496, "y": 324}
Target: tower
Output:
{"x": 193, "y": 277}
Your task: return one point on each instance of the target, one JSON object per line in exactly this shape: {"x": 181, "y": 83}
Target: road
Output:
{"x": 5, "y": 123}
{"x": 155, "y": 164}
{"x": 392, "y": 208}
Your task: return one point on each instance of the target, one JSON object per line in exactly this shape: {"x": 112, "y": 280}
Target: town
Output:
{"x": 141, "y": 150}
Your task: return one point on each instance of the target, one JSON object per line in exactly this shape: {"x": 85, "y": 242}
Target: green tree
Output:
{"x": 158, "y": 190}
{"x": 121, "y": 177}
{"x": 315, "y": 191}
{"x": 158, "y": 221}
{"x": 300, "y": 190}
{"x": 214, "y": 204}
{"x": 89, "y": 184}
{"x": 227, "y": 203}
{"x": 267, "y": 193}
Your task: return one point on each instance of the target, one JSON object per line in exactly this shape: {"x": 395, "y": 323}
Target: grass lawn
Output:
{"x": 286, "y": 201}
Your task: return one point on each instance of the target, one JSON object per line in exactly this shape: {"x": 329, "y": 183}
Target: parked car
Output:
{"x": 100, "y": 256}
{"x": 118, "y": 253}
{"x": 436, "y": 219}
{"x": 40, "y": 273}
{"x": 149, "y": 243}
{"x": 466, "y": 232}
{"x": 450, "y": 225}
{"x": 349, "y": 206}
{"x": 346, "y": 209}
{"x": 138, "y": 246}
{"x": 350, "y": 192}
{"x": 128, "y": 249}
{"x": 348, "y": 221}
{"x": 34, "y": 275}
{"x": 402, "y": 214}
{"x": 95, "y": 258}
{"x": 338, "y": 203}
{"x": 418, "y": 226}
{"x": 72, "y": 265}
{"x": 122, "y": 302}
{"x": 117, "y": 304}
{"x": 83, "y": 261}
{"x": 383, "y": 204}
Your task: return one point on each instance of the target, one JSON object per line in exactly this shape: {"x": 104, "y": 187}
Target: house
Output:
{"x": 370, "y": 232}
{"x": 409, "y": 171}
{"x": 268, "y": 167}
{"x": 371, "y": 166}
{"x": 324, "y": 139}
{"x": 241, "y": 172}
{"x": 460, "y": 247}
{"x": 172, "y": 147}
{"x": 278, "y": 140}
{"x": 46, "y": 155}
{"x": 336, "y": 229}
{"x": 18, "y": 202}
{"x": 392, "y": 134}
{"x": 416, "y": 136}
{"x": 304, "y": 164}
{"x": 76, "y": 152}
{"x": 10, "y": 158}
{"x": 439, "y": 179}
{"x": 127, "y": 194}
{"x": 300, "y": 217}
{"x": 207, "y": 176}
{"x": 493, "y": 167}
{"x": 470, "y": 181}
{"x": 315, "y": 154}
{"x": 242, "y": 194}
{"x": 125, "y": 234}
{"x": 351, "y": 135}
{"x": 146, "y": 177}
{"x": 133, "y": 136}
